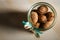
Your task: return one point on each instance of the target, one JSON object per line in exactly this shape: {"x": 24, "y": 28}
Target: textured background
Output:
{"x": 15, "y": 30}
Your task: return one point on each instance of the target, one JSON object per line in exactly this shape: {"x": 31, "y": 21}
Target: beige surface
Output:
{"x": 24, "y": 5}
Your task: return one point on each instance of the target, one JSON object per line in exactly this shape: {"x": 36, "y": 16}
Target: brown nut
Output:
{"x": 34, "y": 17}
{"x": 37, "y": 25}
{"x": 42, "y": 18}
{"x": 42, "y": 9}
{"x": 47, "y": 24}
{"x": 50, "y": 16}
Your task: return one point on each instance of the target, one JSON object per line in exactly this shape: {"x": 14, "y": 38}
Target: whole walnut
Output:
{"x": 34, "y": 17}
{"x": 42, "y": 9}
{"x": 47, "y": 24}
{"x": 42, "y": 18}
{"x": 50, "y": 16}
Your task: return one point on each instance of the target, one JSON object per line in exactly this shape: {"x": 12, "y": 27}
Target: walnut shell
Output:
{"x": 34, "y": 17}
{"x": 42, "y": 18}
{"x": 37, "y": 25}
{"x": 42, "y": 9}
{"x": 47, "y": 24}
{"x": 50, "y": 16}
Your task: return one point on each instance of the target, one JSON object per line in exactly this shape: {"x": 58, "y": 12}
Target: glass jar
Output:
{"x": 37, "y": 5}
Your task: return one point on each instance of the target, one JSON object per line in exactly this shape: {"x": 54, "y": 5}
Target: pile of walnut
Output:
{"x": 42, "y": 17}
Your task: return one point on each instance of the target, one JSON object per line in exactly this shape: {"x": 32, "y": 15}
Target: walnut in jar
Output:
{"x": 37, "y": 25}
{"x": 42, "y": 18}
{"x": 42, "y": 9}
{"x": 50, "y": 16}
{"x": 34, "y": 17}
{"x": 47, "y": 24}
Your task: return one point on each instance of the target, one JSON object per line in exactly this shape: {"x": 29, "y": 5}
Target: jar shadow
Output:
{"x": 13, "y": 19}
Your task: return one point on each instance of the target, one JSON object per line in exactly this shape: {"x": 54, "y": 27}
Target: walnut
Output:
{"x": 34, "y": 17}
{"x": 47, "y": 24}
{"x": 42, "y": 9}
{"x": 42, "y": 18}
{"x": 50, "y": 16}
{"x": 37, "y": 25}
